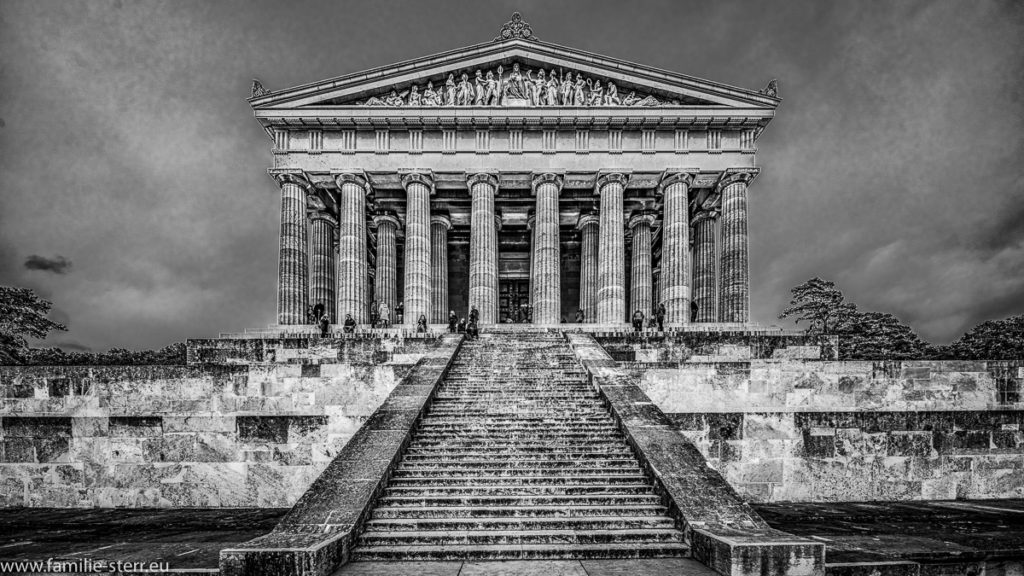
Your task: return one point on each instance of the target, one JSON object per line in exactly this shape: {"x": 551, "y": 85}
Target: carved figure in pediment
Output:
{"x": 565, "y": 90}
{"x": 479, "y": 88}
{"x": 631, "y": 99}
{"x": 415, "y": 99}
{"x": 596, "y": 93}
{"x": 492, "y": 93}
{"x": 430, "y": 98}
{"x": 552, "y": 89}
{"x": 449, "y": 91}
{"x": 395, "y": 99}
{"x": 649, "y": 101}
{"x": 375, "y": 101}
{"x": 772, "y": 89}
{"x": 464, "y": 92}
{"x": 540, "y": 89}
{"x": 611, "y": 96}
{"x": 532, "y": 90}
{"x": 579, "y": 95}
{"x": 515, "y": 85}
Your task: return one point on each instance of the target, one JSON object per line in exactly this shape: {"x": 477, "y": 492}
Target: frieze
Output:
{"x": 516, "y": 87}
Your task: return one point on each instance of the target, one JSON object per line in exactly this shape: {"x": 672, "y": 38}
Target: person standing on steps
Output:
{"x": 350, "y": 324}
{"x": 474, "y": 315}
{"x": 693, "y": 311}
{"x": 462, "y": 325}
{"x": 661, "y": 317}
{"x": 421, "y": 323}
{"x": 579, "y": 317}
{"x": 318, "y": 311}
{"x": 325, "y": 326}
{"x": 374, "y": 314}
{"x": 400, "y": 313}
{"x": 453, "y": 321}
{"x": 638, "y": 321}
{"x": 385, "y": 315}
{"x": 472, "y": 331}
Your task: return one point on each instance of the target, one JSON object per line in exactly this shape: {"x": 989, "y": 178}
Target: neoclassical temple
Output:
{"x": 515, "y": 173}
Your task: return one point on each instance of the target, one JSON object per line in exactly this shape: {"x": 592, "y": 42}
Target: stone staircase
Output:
{"x": 518, "y": 458}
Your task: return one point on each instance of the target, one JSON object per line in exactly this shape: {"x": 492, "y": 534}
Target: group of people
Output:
{"x": 459, "y": 326}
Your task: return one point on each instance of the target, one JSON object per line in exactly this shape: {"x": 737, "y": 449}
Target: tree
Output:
{"x": 879, "y": 336}
{"x": 819, "y": 303}
{"x": 22, "y": 316}
{"x": 990, "y": 340}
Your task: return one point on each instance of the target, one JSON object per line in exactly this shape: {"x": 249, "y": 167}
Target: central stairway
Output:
{"x": 518, "y": 458}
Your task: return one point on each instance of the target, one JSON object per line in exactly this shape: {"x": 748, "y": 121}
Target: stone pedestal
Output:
{"x": 293, "y": 264}
{"x": 385, "y": 286}
{"x": 641, "y": 289}
{"x": 322, "y": 280}
{"x": 440, "y": 224}
{"x": 588, "y": 227}
{"x": 483, "y": 248}
{"x": 734, "y": 302}
{"x": 675, "y": 247}
{"x": 705, "y": 285}
{"x": 419, "y": 187}
{"x": 352, "y": 268}
{"x": 611, "y": 277}
{"x": 546, "y": 280}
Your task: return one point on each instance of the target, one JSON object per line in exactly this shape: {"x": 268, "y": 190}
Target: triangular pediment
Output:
{"x": 450, "y": 80}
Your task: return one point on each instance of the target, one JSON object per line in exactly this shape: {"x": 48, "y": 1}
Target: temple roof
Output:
{"x": 517, "y": 62}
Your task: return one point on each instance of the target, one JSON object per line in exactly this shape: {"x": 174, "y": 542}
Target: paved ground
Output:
{"x": 192, "y": 539}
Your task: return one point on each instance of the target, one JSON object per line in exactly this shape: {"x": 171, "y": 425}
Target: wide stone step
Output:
{"x": 541, "y": 480}
{"x": 560, "y": 511}
{"x": 445, "y": 489}
{"x": 520, "y": 463}
{"x": 519, "y": 537}
{"x": 593, "y": 458}
{"x": 521, "y": 552}
{"x": 522, "y": 500}
{"x": 522, "y": 523}
{"x": 456, "y": 471}
{"x": 523, "y": 438}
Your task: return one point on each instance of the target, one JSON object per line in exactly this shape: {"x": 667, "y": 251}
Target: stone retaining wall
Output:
{"x": 252, "y": 434}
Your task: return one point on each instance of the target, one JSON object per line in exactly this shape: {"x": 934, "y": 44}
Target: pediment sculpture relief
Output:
{"x": 516, "y": 87}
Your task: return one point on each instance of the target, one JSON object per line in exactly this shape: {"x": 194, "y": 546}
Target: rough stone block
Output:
{"x": 769, "y": 554}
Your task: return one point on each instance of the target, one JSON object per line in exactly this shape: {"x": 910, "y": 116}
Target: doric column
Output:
{"x": 547, "y": 284}
{"x": 675, "y": 246}
{"x": 293, "y": 264}
{"x": 734, "y": 302}
{"x": 611, "y": 275}
{"x": 322, "y": 281}
{"x": 419, "y": 186}
{"x": 640, "y": 288}
{"x": 588, "y": 227}
{"x": 386, "y": 280}
{"x": 440, "y": 224}
{"x": 705, "y": 285}
{"x": 352, "y": 268}
{"x": 483, "y": 247}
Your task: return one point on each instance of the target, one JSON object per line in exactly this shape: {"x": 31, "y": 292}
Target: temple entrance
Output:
{"x": 513, "y": 299}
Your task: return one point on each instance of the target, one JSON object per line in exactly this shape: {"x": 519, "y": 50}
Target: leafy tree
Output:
{"x": 22, "y": 316}
{"x": 990, "y": 340}
{"x": 821, "y": 304}
{"x": 879, "y": 336}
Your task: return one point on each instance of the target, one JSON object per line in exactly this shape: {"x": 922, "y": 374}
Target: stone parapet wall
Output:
{"x": 207, "y": 435}
{"x": 728, "y": 345}
{"x": 803, "y": 430}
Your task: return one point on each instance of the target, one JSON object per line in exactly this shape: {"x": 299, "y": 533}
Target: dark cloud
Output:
{"x": 892, "y": 167}
{"x": 58, "y": 264}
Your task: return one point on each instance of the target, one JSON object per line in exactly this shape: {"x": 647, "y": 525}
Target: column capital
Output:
{"x": 539, "y": 178}
{"x": 489, "y": 177}
{"x": 702, "y": 216}
{"x": 323, "y": 215}
{"x": 606, "y": 177}
{"x": 642, "y": 217}
{"x": 441, "y": 220}
{"x": 675, "y": 176}
{"x": 498, "y": 221}
{"x": 386, "y": 217}
{"x": 291, "y": 176}
{"x": 357, "y": 178}
{"x": 424, "y": 177}
{"x": 588, "y": 219}
{"x": 733, "y": 175}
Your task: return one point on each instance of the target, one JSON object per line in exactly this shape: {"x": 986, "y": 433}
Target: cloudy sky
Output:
{"x": 133, "y": 191}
